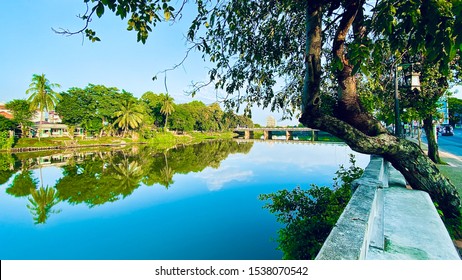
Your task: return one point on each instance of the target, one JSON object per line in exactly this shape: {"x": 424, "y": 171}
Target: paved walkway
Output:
{"x": 451, "y": 170}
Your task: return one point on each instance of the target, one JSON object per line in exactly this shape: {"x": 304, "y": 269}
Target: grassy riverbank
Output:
{"x": 161, "y": 140}
{"x": 166, "y": 140}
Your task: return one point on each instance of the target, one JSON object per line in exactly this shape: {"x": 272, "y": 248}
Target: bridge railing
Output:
{"x": 275, "y": 129}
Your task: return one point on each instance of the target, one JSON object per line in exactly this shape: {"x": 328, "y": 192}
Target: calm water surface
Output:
{"x": 196, "y": 202}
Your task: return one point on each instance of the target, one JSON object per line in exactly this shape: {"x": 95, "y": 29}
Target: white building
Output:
{"x": 48, "y": 117}
{"x": 270, "y": 121}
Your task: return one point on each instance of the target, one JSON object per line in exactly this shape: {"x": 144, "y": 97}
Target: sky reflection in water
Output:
{"x": 210, "y": 209}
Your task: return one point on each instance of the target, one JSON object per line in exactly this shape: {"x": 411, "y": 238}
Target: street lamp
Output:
{"x": 411, "y": 81}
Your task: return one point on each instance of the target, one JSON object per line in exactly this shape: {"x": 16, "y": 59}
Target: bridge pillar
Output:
{"x": 289, "y": 135}
{"x": 267, "y": 135}
{"x": 314, "y": 135}
{"x": 248, "y": 134}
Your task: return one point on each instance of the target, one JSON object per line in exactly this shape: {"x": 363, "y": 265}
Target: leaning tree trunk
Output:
{"x": 433, "y": 153}
{"x": 419, "y": 171}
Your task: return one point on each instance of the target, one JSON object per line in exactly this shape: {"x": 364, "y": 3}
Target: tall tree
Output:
{"x": 6, "y": 124}
{"x": 153, "y": 103}
{"x": 42, "y": 96}
{"x": 217, "y": 116}
{"x": 167, "y": 107}
{"x": 22, "y": 113}
{"x": 91, "y": 107}
{"x": 104, "y": 98}
{"x": 254, "y": 45}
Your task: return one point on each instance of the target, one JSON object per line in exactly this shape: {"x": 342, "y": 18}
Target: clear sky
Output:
{"x": 29, "y": 46}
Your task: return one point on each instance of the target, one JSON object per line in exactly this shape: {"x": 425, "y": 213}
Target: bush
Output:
{"x": 6, "y": 141}
{"x": 309, "y": 215}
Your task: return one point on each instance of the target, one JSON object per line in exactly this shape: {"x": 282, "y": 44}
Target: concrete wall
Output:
{"x": 384, "y": 220}
{"x": 349, "y": 239}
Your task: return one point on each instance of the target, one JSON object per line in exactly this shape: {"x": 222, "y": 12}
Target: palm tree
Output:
{"x": 42, "y": 95}
{"x": 167, "y": 108}
{"x": 130, "y": 115}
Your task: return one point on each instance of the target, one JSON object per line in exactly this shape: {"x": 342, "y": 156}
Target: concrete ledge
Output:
{"x": 413, "y": 229}
{"x": 385, "y": 221}
{"x": 349, "y": 239}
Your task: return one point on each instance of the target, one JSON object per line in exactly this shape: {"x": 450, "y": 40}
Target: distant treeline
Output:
{"x": 102, "y": 110}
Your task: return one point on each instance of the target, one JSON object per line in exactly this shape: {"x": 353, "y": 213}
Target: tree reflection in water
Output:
{"x": 102, "y": 176}
{"x": 41, "y": 202}
{"x": 128, "y": 175}
{"x": 22, "y": 184}
{"x": 166, "y": 174}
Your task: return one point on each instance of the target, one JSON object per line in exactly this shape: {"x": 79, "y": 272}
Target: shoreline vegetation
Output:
{"x": 160, "y": 141}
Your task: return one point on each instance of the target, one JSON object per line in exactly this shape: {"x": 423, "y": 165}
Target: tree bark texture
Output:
{"x": 349, "y": 107}
{"x": 312, "y": 81}
{"x": 433, "y": 153}
{"x": 419, "y": 171}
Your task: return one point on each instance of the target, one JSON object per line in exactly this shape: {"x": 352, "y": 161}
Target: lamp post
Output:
{"x": 414, "y": 83}
{"x": 397, "y": 117}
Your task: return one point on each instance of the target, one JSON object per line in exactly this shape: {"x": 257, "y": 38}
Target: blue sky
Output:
{"x": 29, "y": 46}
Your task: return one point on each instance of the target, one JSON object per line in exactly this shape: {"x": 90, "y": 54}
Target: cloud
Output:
{"x": 309, "y": 156}
{"x": 217, "y": 178}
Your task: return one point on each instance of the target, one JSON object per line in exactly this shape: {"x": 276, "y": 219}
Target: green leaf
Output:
{"x": 453, "y": 52}
{"x": 356, "y": 68}
{"x": 337, "y": 64}
{"x": 365, "y": 70}
{"x": 100, "y": 9}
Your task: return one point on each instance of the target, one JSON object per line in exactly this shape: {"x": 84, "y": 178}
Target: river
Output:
{"x": 192, "y": 202}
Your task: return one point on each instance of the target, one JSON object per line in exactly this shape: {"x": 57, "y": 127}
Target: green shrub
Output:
{"x": 6, "y": 141}
{"x": 309, "y": 215}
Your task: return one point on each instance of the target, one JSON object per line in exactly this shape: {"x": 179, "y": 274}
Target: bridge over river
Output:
{"x": 248, "y": 133}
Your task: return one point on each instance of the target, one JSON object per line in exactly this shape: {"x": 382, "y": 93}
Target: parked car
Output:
{"x": 447, "y": 131}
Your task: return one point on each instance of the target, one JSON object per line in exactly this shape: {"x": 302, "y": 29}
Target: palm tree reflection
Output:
{"x": 166, "y": 174}
{"x": 129, "y": 175}
{"x": 41, "y": 202}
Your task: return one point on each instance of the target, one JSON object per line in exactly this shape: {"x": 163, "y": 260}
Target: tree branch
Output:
{"x": 87, "y": 17}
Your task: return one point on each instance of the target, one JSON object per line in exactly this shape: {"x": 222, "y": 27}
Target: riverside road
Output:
{"x": 451, "y": 144}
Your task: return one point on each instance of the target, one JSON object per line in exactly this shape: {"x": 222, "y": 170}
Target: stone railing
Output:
{"x": 351, "y": 236}
{"x": 384, "y": 220}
